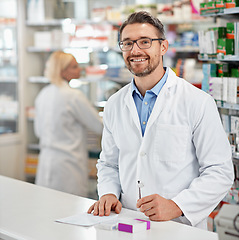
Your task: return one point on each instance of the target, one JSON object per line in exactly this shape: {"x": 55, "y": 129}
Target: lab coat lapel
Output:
{"x": 162, "y": 99}
{"x": 129, "y": 101}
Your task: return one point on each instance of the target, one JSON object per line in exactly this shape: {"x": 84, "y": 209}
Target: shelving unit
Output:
{"x": 226, "y": 105}
{"x": 89, "y": 83}
{"x": 184, "y": 52}
{"x": 225, "y": 13}
{"x": 225, "y": 58}
{"x": 9, "y": 113}
{"x": 227, "y": 108}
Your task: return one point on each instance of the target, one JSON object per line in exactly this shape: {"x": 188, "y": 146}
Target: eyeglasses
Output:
{"x": 142, "y": 43}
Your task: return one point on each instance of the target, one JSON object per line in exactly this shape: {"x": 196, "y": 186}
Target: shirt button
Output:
{"x": 142, "y": 154}
{"x": 145, "y": 103}
{"x": 144, "y": 123}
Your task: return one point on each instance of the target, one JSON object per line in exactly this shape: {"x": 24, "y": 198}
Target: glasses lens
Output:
{"x": 144, "y": 43}
{"x": 126, "y": 45}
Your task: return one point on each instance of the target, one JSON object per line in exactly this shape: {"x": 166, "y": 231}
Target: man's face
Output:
{"x": 141, "y": 62}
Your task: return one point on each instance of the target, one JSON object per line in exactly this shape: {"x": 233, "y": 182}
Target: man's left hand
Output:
{"x": 158, "y": 208}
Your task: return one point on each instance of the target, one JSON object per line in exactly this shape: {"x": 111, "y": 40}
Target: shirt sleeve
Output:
{"x": 216, "y": 168}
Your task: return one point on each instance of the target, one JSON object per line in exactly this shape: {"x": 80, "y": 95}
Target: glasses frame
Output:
{"x": 136, "y": 41}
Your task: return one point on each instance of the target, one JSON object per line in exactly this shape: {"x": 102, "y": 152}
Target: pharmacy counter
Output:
{"x": 29, "y": 212}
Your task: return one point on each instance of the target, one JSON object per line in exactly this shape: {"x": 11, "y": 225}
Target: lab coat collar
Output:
{"x": 159, "y": 104}
{"x": 162, "y": 98}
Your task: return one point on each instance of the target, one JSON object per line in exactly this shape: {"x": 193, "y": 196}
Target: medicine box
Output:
{"x": 133, "y": 225}
{"x": 235, "y": 72}
{"x": 215, "y": 87}
{"x": 230, "y": 30}
{"x": 223, "y": 70}
{"x": 220, "y": 3}
{"x": 233, "y": 90}
{"x": 225, "y": 46}
{"x": 232, "y": 3}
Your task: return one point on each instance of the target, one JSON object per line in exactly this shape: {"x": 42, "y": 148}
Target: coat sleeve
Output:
{"x": 86, "y": 113}
{"x": 36, "y": 120}
{"x": 216, "y": 168}
{"x": 107, "y": 166}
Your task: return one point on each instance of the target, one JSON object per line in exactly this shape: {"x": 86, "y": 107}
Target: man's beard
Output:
{"x": 147, "y": 71}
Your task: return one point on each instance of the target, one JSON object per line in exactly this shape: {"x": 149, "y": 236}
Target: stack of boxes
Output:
{"x": 218, "y": 6}
{"x": 221, "y": 81}
{"x": 219, "y": 40}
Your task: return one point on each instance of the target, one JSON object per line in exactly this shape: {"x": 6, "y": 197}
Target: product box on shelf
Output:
{"x": 233, "y": 90}
{"x": 211, "y": 5}
{"x": 213, "y": 70}
{"x": 211, "y": 225}
{"x": 235, "y": 72}
{"x": 220, "y": 4}
{"x": 215, "y": 87}
{"x": 208, "y": 39}
{"x": 203, "y": 8}
{"x": 232, "y": 3}
{"x": 221, "y": 31}
{"x": 31, "y": 164}
{"x": 230, "y": 30}
{"x": 223, "y": 70}
{"x": 224, "y": 89}
{"x": 206, "y": 74}
{"x": 235, "y": 125}
{"x": 226, "y": 122}
{"x": 225, "y": 46}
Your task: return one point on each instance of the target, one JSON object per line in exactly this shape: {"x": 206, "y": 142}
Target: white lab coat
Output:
{"x": 63, "y": 116}
{"x": 184, "y": 154}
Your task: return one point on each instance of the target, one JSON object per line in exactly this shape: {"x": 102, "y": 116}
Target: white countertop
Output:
{"x": 29, "y": 212}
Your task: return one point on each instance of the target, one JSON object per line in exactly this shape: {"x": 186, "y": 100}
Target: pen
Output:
{"x": 140, "y": 185}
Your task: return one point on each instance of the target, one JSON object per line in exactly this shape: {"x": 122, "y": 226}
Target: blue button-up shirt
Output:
{"x": 145, "y": 104}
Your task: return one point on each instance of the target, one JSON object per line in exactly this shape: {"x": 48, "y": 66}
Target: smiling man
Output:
{"x": 164, "y": 149}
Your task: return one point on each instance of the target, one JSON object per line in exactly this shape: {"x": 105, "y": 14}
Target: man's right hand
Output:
{"x": 106, "y": 203}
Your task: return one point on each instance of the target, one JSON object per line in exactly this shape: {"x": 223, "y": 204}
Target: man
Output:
{"x": 162, "y": 138}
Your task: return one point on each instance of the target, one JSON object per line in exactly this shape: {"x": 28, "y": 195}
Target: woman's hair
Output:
{"x": 57, "y": 62}
{"x": 144, "y": 17}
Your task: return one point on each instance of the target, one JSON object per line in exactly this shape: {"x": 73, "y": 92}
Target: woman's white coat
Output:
{"x": 63, "y": 117}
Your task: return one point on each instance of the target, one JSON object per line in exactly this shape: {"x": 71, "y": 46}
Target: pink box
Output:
{"x": 133, "y": 225}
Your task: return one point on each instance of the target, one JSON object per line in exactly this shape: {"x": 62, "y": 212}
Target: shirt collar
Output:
{"x": 156, "y": 89}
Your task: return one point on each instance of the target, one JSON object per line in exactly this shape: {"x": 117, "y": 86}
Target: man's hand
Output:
{"x": 158, "y": 208}
{"x": 106, "y": 203}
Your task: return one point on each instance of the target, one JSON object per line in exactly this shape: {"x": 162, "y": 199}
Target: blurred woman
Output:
{"x": 63, "y": 116}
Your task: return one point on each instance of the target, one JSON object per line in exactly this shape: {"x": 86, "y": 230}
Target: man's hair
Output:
{"x": 144, "y": 17}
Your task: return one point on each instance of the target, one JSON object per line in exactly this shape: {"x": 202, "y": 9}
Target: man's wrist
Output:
{"x": 178, "y": 210}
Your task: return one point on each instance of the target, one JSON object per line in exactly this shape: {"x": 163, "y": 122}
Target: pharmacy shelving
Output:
{"x": 226, "y": 105}
{"x": 9, "y": 76}
{"x": 226, "y": 13}
{"x": 35, "y": 80}
{"x": 227, "y": 108}
{"x": 225, "y": 58}
{"x": 185, "y": 49}
{"x": 49, "y": 22}
{"x": 8, "y": 79}
{"x": 177, "y": 21}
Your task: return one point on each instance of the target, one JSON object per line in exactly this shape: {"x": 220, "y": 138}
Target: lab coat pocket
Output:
{"x": 170, "y": 143}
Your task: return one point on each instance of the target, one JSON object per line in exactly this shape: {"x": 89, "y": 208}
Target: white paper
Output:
{"x": 86, "y": 219}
